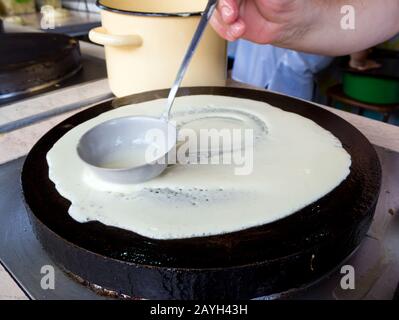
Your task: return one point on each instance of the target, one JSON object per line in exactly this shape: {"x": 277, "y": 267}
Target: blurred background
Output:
{"x": 366, "y": 83}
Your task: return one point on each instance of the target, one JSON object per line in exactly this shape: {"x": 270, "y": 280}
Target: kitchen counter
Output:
{"x": 17, "y": 143}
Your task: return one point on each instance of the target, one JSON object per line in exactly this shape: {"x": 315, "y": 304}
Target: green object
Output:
{"x": 16, "y": 7}
{"x": 369, "y": 89}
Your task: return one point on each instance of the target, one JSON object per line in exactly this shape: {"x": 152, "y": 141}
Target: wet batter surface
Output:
{"x": 295, "y": 163}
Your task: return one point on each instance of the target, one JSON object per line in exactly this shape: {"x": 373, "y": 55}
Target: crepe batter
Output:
{"x": 296, "y": 162}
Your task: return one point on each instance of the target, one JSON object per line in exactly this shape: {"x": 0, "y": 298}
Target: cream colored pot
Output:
{"x": 145, "y": 41}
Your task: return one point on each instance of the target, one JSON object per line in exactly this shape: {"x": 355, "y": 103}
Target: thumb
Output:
{"x": 229, "y": 10}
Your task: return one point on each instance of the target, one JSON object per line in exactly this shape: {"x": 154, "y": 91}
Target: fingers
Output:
{"x": 229, "y": 32}
{"x": 237, "y": 29}
{"x": 226, "y": 20}
{"x": 219, "y": 26}
{"x": 228, "y": 10}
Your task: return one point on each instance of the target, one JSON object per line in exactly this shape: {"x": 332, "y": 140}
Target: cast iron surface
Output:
{"x": 255, "y": 262}
{"x": 32, "y": 61}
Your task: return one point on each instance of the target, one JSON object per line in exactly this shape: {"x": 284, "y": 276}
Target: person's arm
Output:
{"x": 308, "y": 25}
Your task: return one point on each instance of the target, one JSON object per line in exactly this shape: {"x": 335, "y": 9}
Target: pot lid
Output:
{"x": 34, "y": 61}
{"x": 154, "y": 8}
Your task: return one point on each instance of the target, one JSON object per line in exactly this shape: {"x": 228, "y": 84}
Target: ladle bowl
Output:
{"x": 128, "y": 149}
{"x": 118, "y": 150}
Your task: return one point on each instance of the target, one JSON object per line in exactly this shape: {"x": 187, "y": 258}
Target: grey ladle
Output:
{"x": 117, "y": 136}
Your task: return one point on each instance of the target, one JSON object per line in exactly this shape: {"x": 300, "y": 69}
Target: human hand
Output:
{"x": 263, "y": 21}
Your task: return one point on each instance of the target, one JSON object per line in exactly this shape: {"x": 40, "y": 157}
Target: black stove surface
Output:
{"x": 92, "y": 69}
{"x": 20, "y": 252}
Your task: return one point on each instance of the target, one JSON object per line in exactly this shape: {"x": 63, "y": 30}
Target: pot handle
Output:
{"x": 100, "y": 36}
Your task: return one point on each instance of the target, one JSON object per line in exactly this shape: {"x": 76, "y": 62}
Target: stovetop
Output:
{"x": 21, "y": 253}
{"x": 376, "y": 262}
{"x": 92, "y": 69}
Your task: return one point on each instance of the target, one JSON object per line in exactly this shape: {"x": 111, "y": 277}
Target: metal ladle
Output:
{"x": 207, "y": 14}
{"x": 115, "y": 150}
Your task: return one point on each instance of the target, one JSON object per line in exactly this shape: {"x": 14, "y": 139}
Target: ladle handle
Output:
{"x": 206, "y": 15}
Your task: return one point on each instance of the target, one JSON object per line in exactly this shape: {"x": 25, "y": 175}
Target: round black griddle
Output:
{"x": 270, "y": 259}
{"x": 34, "y": 61}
